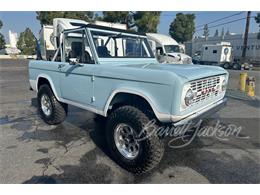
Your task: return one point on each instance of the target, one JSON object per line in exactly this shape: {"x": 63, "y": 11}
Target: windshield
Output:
{"x": 112, "y": 44}
{"x": 172, "y": 49}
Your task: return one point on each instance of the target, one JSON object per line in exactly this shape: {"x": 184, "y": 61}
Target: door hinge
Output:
{"x": 93, "y": 99}
{"x": 92, "y": 78}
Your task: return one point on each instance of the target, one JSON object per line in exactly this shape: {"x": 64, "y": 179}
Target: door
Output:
{"x": 76, "y": 80}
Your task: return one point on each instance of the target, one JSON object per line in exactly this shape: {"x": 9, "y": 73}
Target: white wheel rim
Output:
{"x": 46, "y": 105}
{"x": 125, "y": 141}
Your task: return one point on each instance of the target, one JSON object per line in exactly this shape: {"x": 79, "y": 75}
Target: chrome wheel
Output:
{"x": 46, "y": 105}
{"x": 125, "y": 141}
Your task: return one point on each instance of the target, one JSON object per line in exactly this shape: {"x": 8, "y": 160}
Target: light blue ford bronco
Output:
{"x": 113, "y": 73}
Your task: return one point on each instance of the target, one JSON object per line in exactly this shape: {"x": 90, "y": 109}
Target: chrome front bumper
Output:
{"x": 202, "y": 113}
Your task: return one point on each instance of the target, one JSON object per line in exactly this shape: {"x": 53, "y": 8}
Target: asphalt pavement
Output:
{"x": 76, "y": 152}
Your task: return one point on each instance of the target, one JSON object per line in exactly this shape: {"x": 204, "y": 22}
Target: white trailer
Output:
{"x": 236, "y": 40}
{"x": 167, "y": 50}
{"x": 215, "y": 54}
{"x": 46, "y": 42}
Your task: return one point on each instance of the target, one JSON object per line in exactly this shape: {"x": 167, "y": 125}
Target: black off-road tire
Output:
{"x": 226, "y": 65}
{"x": 236, "y": 66}
{"x": 59, "y": 110}
{"x": 151, "y": 148}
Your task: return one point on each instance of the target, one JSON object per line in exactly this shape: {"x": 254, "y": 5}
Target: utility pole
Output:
{"x": 246, "y": 37}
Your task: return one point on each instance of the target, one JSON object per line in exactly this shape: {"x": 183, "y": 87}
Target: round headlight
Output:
{"x": 189, "y": 97}
{"x": 224, "y": 85}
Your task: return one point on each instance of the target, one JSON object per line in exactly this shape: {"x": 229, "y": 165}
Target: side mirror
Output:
{"x": 179, "y": 57}
{"x": 73, "y": 61}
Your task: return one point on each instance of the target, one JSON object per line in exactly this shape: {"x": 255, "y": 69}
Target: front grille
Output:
{"x": 205, "y": 88}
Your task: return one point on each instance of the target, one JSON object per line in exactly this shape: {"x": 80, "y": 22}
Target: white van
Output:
{"x": 167, "y": 50}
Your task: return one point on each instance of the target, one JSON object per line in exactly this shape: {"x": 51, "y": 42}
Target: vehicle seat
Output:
{"x": 76, "y": 52}
{"x": 103, "y": 52}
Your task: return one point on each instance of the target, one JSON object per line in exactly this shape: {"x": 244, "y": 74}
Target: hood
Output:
{"x": 177, "y": 58}
{"x": 192, "y": 72}
{"x": 187, "y": 71}
{"x": 182, "y": 55}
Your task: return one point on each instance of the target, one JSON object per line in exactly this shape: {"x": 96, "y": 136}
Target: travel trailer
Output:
{"x": 215, "y": 54}
{"x": 49, "y": 34}
{"x": 46, "y": 42}
{"x": 236, "y": 41}
{"x": 167, "y": 50}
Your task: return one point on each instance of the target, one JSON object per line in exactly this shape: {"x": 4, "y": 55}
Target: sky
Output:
{"x": 18, "y": 21}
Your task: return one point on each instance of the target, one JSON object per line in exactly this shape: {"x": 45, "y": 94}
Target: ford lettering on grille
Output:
{"x": 205, "y": 88}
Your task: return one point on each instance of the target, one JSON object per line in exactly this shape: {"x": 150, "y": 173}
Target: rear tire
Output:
{"x": 226, "y": 65}
{"x": 150, "y": 150}
{"x": 51, "y": 110}
{"x": 235, "y": 66}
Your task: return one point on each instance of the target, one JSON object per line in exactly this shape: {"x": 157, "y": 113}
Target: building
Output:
{"x": 11, "y": 48}
{"x": 13, "y": 38}
{"x": 236, "y": 40}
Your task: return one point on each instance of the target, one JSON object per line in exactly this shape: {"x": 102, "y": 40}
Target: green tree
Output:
{"x": 143, "y": 21}
{"x": 147, "y": 21}
{"x": 2, "y": 39}
{"x": 182, "y": 27}
{"x": 46, "y": 17}
{"x": 216, "y": 33}
{"x": 27, "y": 42}
{"x": 87, "y": 16}
{"x": 206, "y": 31}
{"x": 115, "y": 16}
{"x": 97, "y": 17}
{"x": 257, "y": 19}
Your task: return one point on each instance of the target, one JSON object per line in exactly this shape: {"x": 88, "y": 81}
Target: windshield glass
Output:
{"x": 172, "y": 49}
{"x": 112, "y": 44}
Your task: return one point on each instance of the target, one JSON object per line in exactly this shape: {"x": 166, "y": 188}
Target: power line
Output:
{"x": 226, "y": 17}
{"x": 221, "y": 24}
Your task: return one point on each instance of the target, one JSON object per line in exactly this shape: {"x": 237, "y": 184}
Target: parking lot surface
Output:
{"x": 75, "y": 151}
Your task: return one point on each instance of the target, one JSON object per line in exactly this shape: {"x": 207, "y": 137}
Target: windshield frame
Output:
{"x": 126, "y": 34}
{"x": 172, "y": 51}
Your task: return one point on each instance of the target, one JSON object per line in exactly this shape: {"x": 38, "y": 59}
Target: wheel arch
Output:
{"x": 125, "y": 95}
{"x": 45, "y": 79}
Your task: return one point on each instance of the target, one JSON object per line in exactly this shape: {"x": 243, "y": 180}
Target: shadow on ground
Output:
{"x": 89, "y": 170}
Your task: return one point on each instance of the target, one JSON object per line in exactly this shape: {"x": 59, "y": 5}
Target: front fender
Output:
{"x": 47, "y": 77}
{"x": 161, "y": 112}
